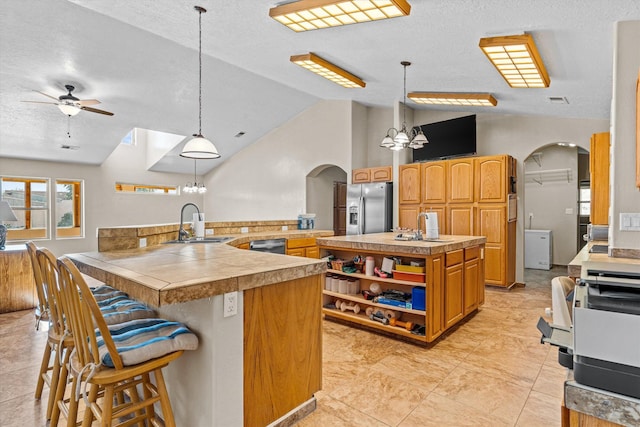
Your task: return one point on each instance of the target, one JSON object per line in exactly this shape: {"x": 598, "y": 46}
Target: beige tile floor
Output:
{"x": 490, "y": 371}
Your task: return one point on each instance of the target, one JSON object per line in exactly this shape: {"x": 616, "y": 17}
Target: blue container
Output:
{"x": 418, "y": 298}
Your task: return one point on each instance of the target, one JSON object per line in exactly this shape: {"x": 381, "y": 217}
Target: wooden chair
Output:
{"x": 110, "y": 366}
{"x": 42, "y": 313}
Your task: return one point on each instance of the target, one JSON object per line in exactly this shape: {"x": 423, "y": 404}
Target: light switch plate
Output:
{"x": 629, "y": 221}
{"x": 568, "y": 211}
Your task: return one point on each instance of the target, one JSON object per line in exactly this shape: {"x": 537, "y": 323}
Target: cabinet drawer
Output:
{"x": 453, "y": 258}
{"x": 301, "y": 243}
{"x": 296, "y": 252}
{"x": 471, "y": 253}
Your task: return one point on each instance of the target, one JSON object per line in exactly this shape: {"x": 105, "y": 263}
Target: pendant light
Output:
{"x": 195, "y": 187}
{"x": 397, "y": 140}
{"x": 199, "y": 147}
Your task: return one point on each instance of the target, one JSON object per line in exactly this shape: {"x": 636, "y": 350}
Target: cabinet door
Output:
{"x": 460, "y": 180}
{"x": 471, "y": 279}
{"x": 359, "y": 176}
{"x": 453, "y": 295}
{"x": 434, "y": 182}
{"x": 460, "y": 220}
{"x": 481, "y": 277}
{"x": 442, "y": 217}
{"x": 599, "y": 170}
{"x": 409, "y": 176}
{"x": 407, "y": 215}
{"x": 296, "y": 252}
{"x": 312, "y": 252}
{"x": 492, "y": 224}
{"x": 435, "y": 295}
{"x": 491, "y": 179}
{"x": 381, "y": 174}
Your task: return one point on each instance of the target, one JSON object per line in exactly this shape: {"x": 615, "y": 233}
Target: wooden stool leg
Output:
{"x": 88, "y": 413}
{"x": 146, "y": 384}
{"x": 58, "y": 395}
{"x": 107, "y": 406}
{"x": 55, "y": 377}
{"x": 44, "y": 367}
{"x": 167, "y": 412}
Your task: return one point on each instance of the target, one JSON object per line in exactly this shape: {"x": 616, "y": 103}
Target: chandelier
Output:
{"x": 200, "y": 147}
{"x": 195, "y": 187}
{"x": 397, "y": 140}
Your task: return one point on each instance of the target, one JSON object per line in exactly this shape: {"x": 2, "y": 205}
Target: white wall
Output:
{"x": 625, "y": 196}
{"x": 268, "y": 179}
{"x": 548, "y": 201}
{"x": 320, "y": 195}
{"x": 103, "y": 207}
{"x": 379, "y": 120}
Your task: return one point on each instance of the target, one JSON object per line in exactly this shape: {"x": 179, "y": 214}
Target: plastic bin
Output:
{"x": 418, "y": 299}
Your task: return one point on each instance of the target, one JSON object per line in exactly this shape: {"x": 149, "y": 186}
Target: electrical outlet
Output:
{"x": 208, "y": 231}
{"x": 244, "y": 229}
{"x": 142, "y": 242}
{"x": 568, "y": 211}
{"x": 285, "y": 227}
{"x": 230, "y": 304}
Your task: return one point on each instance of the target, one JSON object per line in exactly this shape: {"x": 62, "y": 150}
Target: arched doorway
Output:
{"x": 323, "y": 197}
{"x": 556, "y": 184}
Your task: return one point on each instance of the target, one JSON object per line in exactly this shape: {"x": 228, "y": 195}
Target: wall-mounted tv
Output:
{"x": 449, "y": 138}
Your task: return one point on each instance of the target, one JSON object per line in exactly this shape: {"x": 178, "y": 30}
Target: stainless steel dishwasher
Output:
{"x": 274, "y": 246}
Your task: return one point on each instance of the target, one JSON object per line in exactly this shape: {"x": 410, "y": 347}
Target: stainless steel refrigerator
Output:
{"x": 369, "y": 208}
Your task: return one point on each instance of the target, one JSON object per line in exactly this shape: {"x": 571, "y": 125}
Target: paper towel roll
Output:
{"x": 198, "y": 225}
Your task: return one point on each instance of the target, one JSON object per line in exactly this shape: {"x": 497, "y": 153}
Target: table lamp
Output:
{"x": 6, "y": 214}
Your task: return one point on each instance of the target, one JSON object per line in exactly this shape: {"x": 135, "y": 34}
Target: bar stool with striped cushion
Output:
{"x": 118, "y": 358}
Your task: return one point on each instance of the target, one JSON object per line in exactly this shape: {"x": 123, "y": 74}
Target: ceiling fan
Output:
{"x": 70, "y": 105}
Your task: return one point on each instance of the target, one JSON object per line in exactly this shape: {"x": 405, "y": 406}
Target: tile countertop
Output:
{"x": 168, "y": 274}
{"x": 385, "y": 242}
{"x": 575, "y": 266}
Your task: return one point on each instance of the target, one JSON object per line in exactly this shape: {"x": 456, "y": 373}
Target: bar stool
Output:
{"x": 117, "y": 359}
{"x": 42, "y": 314}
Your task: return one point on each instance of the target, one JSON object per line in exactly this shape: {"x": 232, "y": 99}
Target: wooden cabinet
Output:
{"x": 376, "y": 174}
{"x": 434, "y": 180}
{"x": 460, "y": 220}
{"x": 305, "y": 247}
{"x": 444, "y": 287}
{"x": 500, "y": 246}
{"x": 243, "y": 246}
{"x": 408, "y": 215}
{"x": 460, "y": 180}
{"x": 491, "y": 179}
{"x": 472, "y": 279}
{"x": 409, "y": 176}
{"x": 17, "y": 286}
{"x": 599, "y": 170}
{"x": 454, "y": 288}
{"x": 440, "y": 210}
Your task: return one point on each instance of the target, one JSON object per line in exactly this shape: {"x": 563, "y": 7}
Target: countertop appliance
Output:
{"x": 369, "y": 208}
{"x": 538, "y": 249}
{"x": 274, "y": 246}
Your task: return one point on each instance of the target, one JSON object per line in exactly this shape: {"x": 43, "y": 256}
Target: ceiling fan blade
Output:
{"x": 41, "y": 102}
{"x": 95, "y": 110}
{"x": 85, "y": 102}
{"x": 48, "y": 96}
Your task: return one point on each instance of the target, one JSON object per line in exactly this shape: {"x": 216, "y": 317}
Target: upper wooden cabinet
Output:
{"x": 599, "y": 170}
{"x": 434, "y": 180}
{"x": 460, "y": 182}
{"x": 409, "y": 176}
{"x": 377, "y": 174}
{"x": 491, "y": 179}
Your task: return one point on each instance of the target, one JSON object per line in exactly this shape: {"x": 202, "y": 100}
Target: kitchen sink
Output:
{"x": 203, "y": 240}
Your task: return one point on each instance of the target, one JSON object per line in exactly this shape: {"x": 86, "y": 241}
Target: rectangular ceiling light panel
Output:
{"x": 307, "y": 15}
{"x": 517, "y": 59}
{"x": 327, "y": 70}
{"x": 456, "y": 99}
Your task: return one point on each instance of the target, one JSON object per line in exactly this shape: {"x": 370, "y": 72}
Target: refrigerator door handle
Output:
{"x": 361, "y": 225}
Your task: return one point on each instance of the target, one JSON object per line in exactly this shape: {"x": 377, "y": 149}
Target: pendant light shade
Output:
{"x": 200, "y": 147}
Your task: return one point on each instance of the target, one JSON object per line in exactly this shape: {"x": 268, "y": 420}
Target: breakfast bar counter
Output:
{"x": 252, "y": 367}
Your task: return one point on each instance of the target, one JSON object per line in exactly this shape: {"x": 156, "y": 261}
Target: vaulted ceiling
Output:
{"x": 140, "y": 59}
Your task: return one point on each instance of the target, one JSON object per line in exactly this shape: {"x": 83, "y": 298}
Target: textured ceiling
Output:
{"x": 140, "y": 59}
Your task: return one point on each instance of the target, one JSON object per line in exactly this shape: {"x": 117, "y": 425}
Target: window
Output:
{"x": 122, "y": 187}
{"x": 68, "y": 216}
{"x": 29, "y": 199}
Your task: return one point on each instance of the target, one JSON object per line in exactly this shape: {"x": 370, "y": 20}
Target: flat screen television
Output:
{"x": 449, "y": 138}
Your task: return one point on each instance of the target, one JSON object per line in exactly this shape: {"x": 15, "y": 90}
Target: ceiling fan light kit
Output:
{"x": 200, "y": 147}
{"x": 517, "y": 59}
{"x": 326, "y": 69}
{"x": 70, "y": 105}
{"x": 307, "y": 15}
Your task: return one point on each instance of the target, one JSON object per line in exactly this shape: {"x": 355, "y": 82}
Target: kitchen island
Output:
{"x": 445, "y": 285}
{"x": 250, "y": 369}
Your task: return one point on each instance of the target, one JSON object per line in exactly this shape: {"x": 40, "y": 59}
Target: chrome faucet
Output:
{"x": 182, "y": 233}
{"x": 418, "y": 235}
